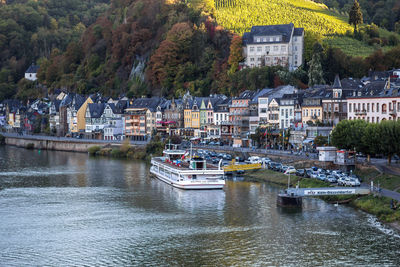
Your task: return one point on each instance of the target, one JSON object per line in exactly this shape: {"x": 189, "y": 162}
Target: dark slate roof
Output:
{"x": 149, "y": 103}
{"x": 298, "y": 31}
{"x": 96, "y": 109}
{"x": 337, "y": 84}
{"x": 284, "y": 30}
{"x": 32, "y": 69}
{"x": 79, "y": 100}
{"x": 57, "y": 104}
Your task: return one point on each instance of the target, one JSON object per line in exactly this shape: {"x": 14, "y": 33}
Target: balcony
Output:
{"x": 360, "y": 112}
{"x": 236, "y": 105}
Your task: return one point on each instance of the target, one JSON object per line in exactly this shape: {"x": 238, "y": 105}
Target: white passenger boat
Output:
{"x": 186, "y": 173}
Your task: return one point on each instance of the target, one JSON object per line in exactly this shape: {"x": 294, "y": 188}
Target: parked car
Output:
{"x": 290, "y": 170}
{"x": 215, "y": 160}
{"x": 300, "y": 172}
{"x": 331, "y": 179}
{"x": 228, "y": 157}
{"x": 314, "y": 174}
{"x": 308, "y": 173}
{"x": 277, "y": 167}
{"x": 352, "y": 182}
{"x": 265, "y": 160}
{"x": 342, "y": 180}
{"x": 284, "y": 168}
{"x": 355, "y": 177}
{"x": 321, "y": 171}
{"x": 337, "y": 173}
{"x": 254, "y": 159}
{"x": 321, "y": 177}
{"x": 211, "y": 143}
{"x": 314, "y": 168}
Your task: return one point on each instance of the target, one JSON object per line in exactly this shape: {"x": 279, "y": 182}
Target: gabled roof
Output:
{"x": 284, "y": 30}
{"x": 147, "y": 103}
{"x": 32, "y": 69}
{"x": 337, "y": 84}
{"x": 96, "y": 109}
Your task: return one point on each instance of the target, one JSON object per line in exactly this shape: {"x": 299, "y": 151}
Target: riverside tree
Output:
{"x": 355, "y": 15}
{"x": 368, "y": 138}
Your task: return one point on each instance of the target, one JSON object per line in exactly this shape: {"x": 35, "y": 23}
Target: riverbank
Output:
{"x": 372, "y": 204}
{"x": 57, "y": 143}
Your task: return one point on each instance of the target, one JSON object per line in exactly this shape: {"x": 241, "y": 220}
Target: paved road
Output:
{"x": 68, "y": 139}
{"x": 391, "y": 194}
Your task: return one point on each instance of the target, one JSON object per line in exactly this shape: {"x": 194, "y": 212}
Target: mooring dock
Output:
{"x": 328, "y": 191}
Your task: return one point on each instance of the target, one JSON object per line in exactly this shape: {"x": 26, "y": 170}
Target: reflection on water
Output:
{"x": 63, "y": 209}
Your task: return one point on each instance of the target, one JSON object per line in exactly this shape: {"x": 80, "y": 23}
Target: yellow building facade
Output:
{"x": 80, "y": 115}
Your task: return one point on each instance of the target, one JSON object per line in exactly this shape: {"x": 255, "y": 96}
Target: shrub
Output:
{"x": 30, "y": 146}
{"x": 116, "y": 153}
{"x": 126, "y": 146}
{"x": 104, "y": 151}
{"x": 93, "y": 150}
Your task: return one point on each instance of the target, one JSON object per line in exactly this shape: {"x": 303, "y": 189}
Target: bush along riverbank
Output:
{"x": 375, "y": 205}
{"x": 154, "y": 148}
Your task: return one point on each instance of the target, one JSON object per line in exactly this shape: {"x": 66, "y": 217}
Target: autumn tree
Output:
{"x": 355, "y": 15}
{"x": 236, "y": 55}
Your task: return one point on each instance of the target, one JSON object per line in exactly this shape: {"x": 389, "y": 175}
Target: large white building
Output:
{"x": 274, "y": 45}
{"x": 374, "y": 103}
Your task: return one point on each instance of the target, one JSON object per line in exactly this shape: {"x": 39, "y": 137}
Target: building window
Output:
{"x": 390, "y": 106}
{"x": 251, "y": 48}
{"x": 295, "y": 38}
{"x": 295, "y": 48}
{"x": 372, "y": 119}
{"x": 349, "y": 107}
{"x": 267, "y": 49}
{"x": 283, "y": 48}
{"x": 259, "y": 49}
{"x": 252, "y": 59}
{"x": 372, "y": 107}
{"x": 367, "y": 107}
{"x": 377, "y": 108}
{"x": 264, "y": 39}
{"x": 258, "y": 40}
{"x": 276, "y": 48}
{"x": 384, "y": 108}
{"x": 277, "y": 39}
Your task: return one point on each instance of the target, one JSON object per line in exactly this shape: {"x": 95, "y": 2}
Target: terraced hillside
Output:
{"x": 243, "y": 14}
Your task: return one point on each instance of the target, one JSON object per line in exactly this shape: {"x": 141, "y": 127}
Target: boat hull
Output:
{"x": 190, "y": 185}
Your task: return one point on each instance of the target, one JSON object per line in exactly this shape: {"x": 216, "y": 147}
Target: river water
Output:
{"x": 66, "y": 209}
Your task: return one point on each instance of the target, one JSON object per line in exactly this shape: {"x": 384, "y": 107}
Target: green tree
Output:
{"x": 321, "y": 140}
{"x": 355, "y": 15}
{"x": 348, "y": 134}
{"x": 389, "y": 138}
{"x": 371, "y": 140}
{"x": 315, "y": 73}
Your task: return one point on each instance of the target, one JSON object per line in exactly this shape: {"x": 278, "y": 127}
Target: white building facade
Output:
{"x": 274, "y": 45}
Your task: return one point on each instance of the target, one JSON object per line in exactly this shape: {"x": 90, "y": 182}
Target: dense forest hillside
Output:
{"x": 166, "y": 47}
{"x": 32, "y": 29}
